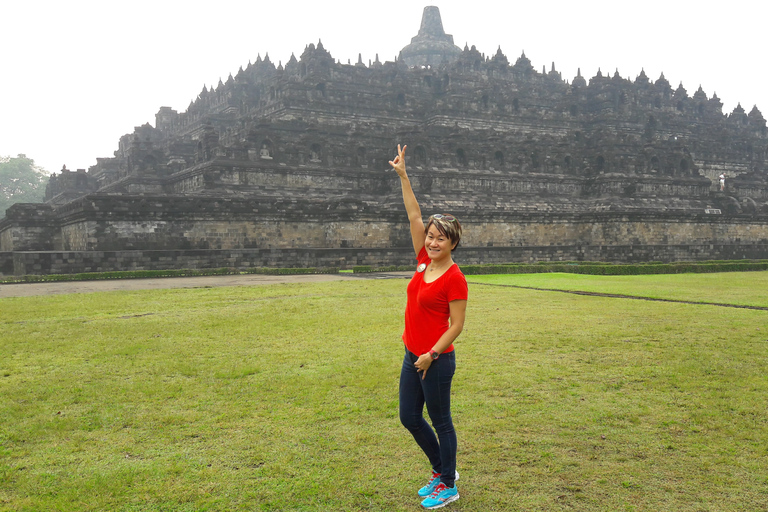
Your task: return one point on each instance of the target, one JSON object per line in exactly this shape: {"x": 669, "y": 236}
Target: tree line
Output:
{"x": 21, "y": 181}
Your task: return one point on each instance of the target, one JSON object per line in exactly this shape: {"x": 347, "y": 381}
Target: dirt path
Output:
{"x": 29, "y": 289}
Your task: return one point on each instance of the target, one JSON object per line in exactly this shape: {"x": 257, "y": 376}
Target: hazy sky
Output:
{"x": 76, "y": 75}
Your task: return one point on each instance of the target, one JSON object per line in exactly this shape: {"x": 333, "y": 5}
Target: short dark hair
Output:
{"x": 447, "y": 225}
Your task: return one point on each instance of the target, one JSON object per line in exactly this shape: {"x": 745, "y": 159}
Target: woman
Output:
{"x": 434, "y": 318}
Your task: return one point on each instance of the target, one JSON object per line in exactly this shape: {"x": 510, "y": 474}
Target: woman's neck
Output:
{"x": 441, "y": 264}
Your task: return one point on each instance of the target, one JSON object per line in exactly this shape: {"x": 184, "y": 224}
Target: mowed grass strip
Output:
{"x": 284, "y": 397}
{"x": 738, "y": 288}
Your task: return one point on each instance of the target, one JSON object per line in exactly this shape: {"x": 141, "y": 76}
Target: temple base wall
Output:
{"x": 508, "y": 229}
{"x": 226, "y": 234}
{"x": 6, "y": 264}
{"x": 100, "y": 233}
{"x": 69, "y": 262}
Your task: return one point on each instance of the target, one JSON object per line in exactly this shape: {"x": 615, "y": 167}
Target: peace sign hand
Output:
{"x": 398, "y": 164}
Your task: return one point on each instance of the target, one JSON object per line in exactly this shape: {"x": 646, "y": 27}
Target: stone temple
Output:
{"x": 287, "y": 166}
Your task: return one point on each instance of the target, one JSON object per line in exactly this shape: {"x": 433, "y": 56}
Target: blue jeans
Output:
{"x": 435, "y": 391}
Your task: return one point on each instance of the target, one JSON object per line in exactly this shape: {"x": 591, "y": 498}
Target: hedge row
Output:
{"x": 143, "y": 274}
{"x": 596, "y": 268}
{"x": 290, "y": 271}
{"x": 362, "y": 269}
{"x": 618, "y": 269}
{"x": 572, "y": 267}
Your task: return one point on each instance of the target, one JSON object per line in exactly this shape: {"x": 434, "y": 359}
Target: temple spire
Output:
{"x": 431, "y": 23}
{"x": 432, "y": 45}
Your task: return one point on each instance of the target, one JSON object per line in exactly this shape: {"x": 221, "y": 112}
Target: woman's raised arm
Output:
{"x": 409, "y": 199}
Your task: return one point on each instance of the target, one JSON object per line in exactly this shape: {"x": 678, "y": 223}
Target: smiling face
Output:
{"x": 438, "y": 245}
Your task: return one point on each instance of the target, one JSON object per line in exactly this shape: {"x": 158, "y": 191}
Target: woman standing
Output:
{"x": 434, "y": 318}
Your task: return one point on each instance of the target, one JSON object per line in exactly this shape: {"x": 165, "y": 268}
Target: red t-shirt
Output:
{"x": 427, "y": 311}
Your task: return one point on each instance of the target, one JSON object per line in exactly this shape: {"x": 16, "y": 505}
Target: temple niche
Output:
{"x": 287, "y": 165}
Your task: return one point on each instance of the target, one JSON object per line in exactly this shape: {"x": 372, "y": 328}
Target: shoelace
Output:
{"x": 440, "y": 488}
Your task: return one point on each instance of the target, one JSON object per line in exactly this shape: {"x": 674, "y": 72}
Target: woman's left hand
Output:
{"x": 398, "y": 164}
{"x": 423, "y": 363}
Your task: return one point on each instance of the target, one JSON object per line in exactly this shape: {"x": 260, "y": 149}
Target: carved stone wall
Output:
{"x": 29, "y": 227}
{"x": 136, "y": 223}
{"x": 63, "y": 262}
{"x": 6, "y": 263}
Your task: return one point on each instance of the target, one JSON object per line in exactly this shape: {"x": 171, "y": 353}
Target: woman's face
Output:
{"x": 438, "y": 245}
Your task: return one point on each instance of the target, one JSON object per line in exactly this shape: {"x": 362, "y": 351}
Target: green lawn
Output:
{"x": 742, "y": 288}
{"x": 284, "y": 397}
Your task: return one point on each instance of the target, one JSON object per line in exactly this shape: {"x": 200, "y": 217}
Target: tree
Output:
{"x": 21, "y": 181}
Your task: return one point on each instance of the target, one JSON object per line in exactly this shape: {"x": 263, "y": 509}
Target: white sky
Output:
{"x": 76, "y": 75}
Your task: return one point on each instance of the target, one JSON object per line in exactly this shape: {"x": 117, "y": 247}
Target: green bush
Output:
{"x": 290, "y": 271}
{"x": 568, "y": 267}
{"x": 616, "y": 269}
{"x": 144, "y": 274}
{"x": 361, "y": 269}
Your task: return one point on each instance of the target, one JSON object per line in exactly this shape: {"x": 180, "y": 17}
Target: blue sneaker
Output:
{"x": 440, "y": 497}
{"x": 430, "y": 487}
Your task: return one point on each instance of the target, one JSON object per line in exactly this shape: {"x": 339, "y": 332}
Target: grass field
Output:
{"x": 739, "y": 288}
{"x": 284, "y": 397}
